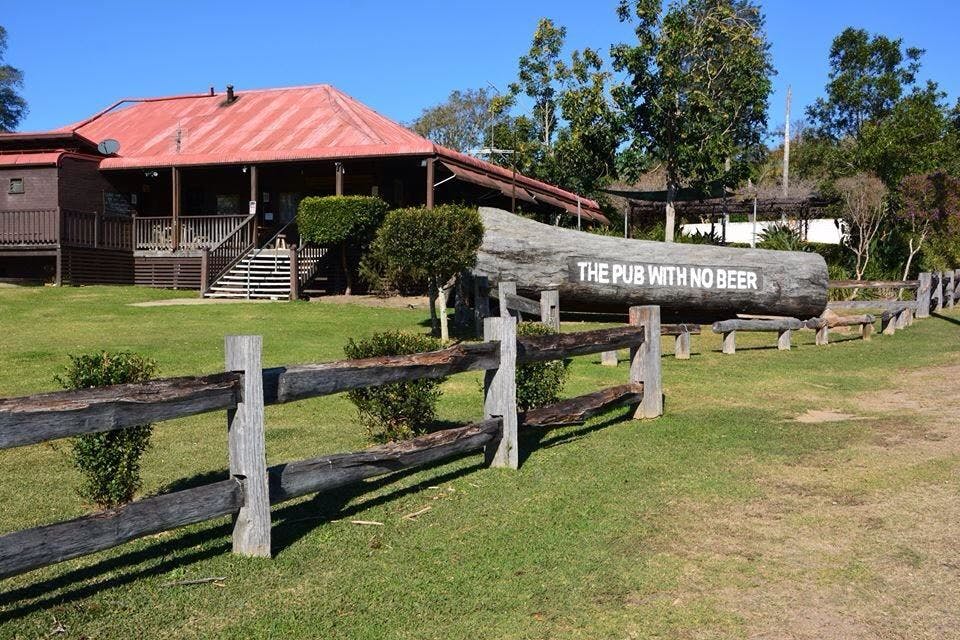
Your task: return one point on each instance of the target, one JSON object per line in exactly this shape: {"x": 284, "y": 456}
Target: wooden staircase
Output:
{"x": 265, "y": 274}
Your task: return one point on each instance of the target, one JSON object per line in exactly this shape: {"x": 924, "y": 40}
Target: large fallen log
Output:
{"x": 697, "y": 283}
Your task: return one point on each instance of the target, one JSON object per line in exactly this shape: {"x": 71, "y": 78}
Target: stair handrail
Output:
{"x": 260, "y": 250}
{"x": 246, "y": 225}
{"x": 304, "y": 275}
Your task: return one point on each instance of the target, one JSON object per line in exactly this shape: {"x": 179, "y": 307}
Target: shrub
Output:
{"x": 395, "y": 411}
{"x": 700, "y": 237}
{"x": 539, "y": 384}
{"x": 426, "y": 246}
{"x": 781, "y": 237}
{"x": 110, "y": 461}
{"x": 340, "y": 220}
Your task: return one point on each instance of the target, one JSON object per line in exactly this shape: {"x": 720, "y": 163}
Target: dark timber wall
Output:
{"x": 172, "y": 272}
{"x": 81, "y": 265}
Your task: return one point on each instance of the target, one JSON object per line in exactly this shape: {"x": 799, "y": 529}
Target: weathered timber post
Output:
{"x": 951, "y": 285}
{"x": 481, "y": 302}
{"x": 645, "y": 361}
{"x": 609, "y": 359}
{"x": 550, "y": 309}
{"x": 866, "y": 331}
{"x": 248, "y": 459}
{"x": 294, "y": 273}
{"x": 204, "y": 270}
{"x": 823, "y": 335}
{"x": 938, "y": 291}
{"x": 909, "y": 314}
{"x": 500, "y": 392}
{"x": 729, "y": 342}
{"x": 923, "y": 296}
{"x": 504, "y": 289}
{"x": 902, "y": 319}
{"x": 783, "y": 339}
{"x": 681, "y": 346}
{"x": 888, "y": 323}
{"x": 956, "y": 280}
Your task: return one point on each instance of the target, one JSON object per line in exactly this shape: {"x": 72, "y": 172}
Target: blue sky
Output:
{"x": 395, "y": 56}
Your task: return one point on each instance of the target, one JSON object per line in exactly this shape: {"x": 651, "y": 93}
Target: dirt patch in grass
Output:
{"x": 856, "y": 543}
{"x": 816, "y": 416}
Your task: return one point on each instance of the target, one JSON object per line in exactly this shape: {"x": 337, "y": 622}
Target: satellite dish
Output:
{"x": 108, "y": 147}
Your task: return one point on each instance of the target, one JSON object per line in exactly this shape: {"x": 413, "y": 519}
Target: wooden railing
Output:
{"x": 196, "y": 232}
{"x": 217, "y": 260}
{"x": 244, "y": 389}
{"x": 30, "y": 227}
{"x": 96, "y": 230}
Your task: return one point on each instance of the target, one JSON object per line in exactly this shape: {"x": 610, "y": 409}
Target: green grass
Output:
{"x": 573, "y": 545}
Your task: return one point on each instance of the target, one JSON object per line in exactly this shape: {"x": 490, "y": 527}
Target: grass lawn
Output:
{"x": 725, "y": 518}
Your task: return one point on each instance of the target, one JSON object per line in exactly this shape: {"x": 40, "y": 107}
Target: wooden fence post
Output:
{"x": 938, "y": 291}
{"x": 645, "y": 361}
{"x": 866, "y": 331}
{"x": 609, "y": 359}
{"x": 823, "y": 335}
{"x": 294, "y": 273}
{"x": 902, "y": 319}
{"x": 681, "y": 346}
{"x": 951, "y": 287}
{"x": 481, "y": 302}
{"x": 500, "y": 391}
{"x": 783, "y": 340}
{"x": 503, "y": 290}
{"x": 729, "y": 342}
{"x": 923, "y": 296}
{"x": 550, "y": 309}
{"x": 248, "y": 460}
{"x": 956, "y": 280}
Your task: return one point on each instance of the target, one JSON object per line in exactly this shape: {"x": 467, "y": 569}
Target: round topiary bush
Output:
{"x": 397, "y": 411}
{"x": 540, "y": 383}
{"x": 110, "y": 461}
{"x": 340, "y": 220}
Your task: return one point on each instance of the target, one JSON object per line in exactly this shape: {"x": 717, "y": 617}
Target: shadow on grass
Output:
{"x": 939, "y": 316}
{"x": 291, "y": 524}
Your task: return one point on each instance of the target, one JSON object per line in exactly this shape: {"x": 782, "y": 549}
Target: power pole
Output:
{"x": 786, "y": 147}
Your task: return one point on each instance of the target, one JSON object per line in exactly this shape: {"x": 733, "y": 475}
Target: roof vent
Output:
{"x": 212, "y": 92}
{"x": 231, "y": 97}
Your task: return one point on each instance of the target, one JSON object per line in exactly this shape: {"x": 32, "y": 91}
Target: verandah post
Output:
{"x": 923, "y": 296}
{"x": 247, "y": 447}
{"x": 294, "y": 273}
{"x": 500, "y": 391}
{"x": 645, "y": 361}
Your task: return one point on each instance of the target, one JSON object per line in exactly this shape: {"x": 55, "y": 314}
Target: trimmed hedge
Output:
{"x": 333, "y": 220}
{"x": 540, "y": 383}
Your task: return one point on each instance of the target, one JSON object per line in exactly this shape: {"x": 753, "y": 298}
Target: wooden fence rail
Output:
{"x": 245, "y": 389}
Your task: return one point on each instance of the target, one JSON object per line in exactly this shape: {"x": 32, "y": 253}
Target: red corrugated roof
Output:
{"x": 40, "y": 158}
{"x": 315, "y": 122}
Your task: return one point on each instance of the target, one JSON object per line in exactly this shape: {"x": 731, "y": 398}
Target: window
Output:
{"x": 16, "y": 185}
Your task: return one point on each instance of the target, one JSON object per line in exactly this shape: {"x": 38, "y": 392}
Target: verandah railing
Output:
{"x": 65, "y": 227}
{"x": 244, "y": 389}
{"x": 156, "y": 233}
{"x": 30, "y": 227}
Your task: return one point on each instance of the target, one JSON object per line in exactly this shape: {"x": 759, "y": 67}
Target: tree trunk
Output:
{"x": 689, "y": 282}
{"x": 671, "y": 218}
{"x": 348, "y": 278}
{"x": 444, "y": 294}
{"x": 432, "y": 294}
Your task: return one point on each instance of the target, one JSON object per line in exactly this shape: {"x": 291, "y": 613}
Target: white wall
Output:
{"x": 821, "y": 230}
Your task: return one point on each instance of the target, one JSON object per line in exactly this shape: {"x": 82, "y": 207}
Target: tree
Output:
{"x": 340, "y": 220}
{"x": 586, "y": 149}
{"x": 868, "y": 76}
{"x": 427, "y": 245}
{"x": 460, "y": 123}
{"x": 12, "y": 105}
{"x": 929, "y": 201}
{"x": 863, "y": 197}
{"x": 696, "y": 90}
{"x": 541, "y": 71}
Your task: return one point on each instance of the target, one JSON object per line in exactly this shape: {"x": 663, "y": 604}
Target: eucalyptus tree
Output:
{"x": 696, "y": 89}
{"x": 13, "y": 107}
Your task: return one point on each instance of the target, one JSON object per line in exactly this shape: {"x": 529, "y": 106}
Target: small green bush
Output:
{"x": 539, "y": 384}
{"x": 110, "y": 461}
{"x": 395, "y": 411}
{"x": 340, "y": 220}
{"x": 781, "y": 237}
